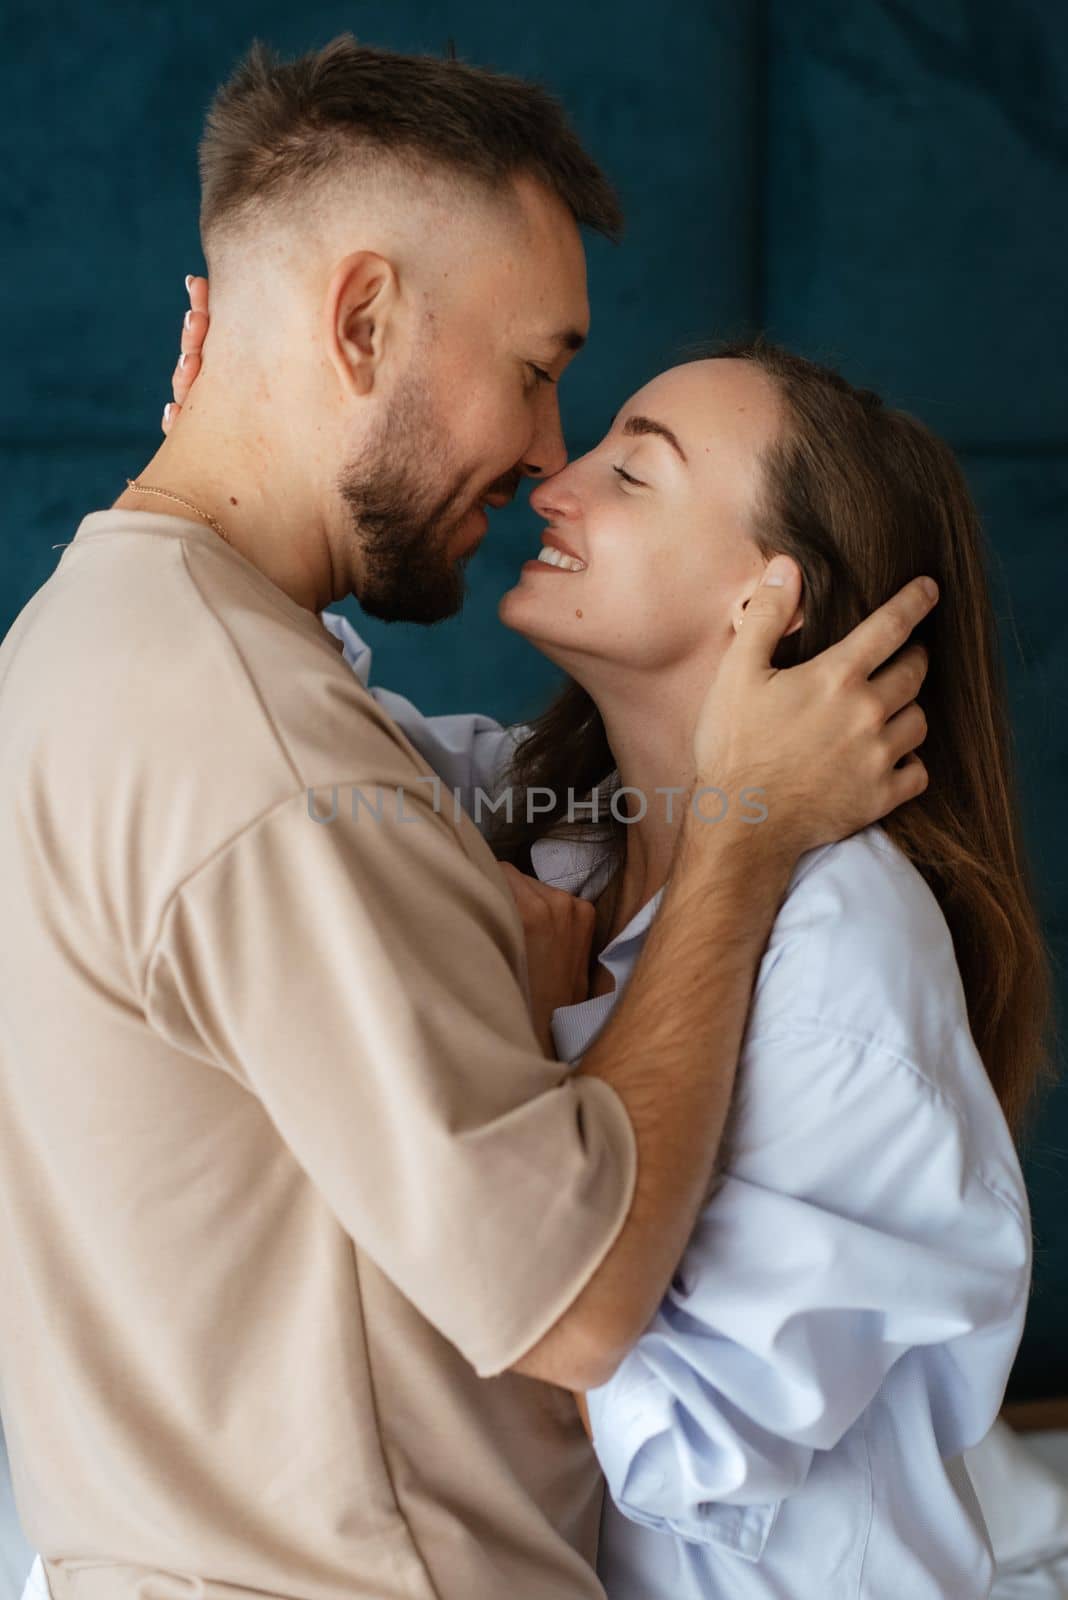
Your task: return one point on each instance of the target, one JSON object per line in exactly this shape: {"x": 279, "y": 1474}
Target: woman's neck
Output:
{"x": 651, "y": 737}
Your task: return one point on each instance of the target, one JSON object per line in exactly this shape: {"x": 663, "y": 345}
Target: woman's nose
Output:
{"x": 553, "y": 498}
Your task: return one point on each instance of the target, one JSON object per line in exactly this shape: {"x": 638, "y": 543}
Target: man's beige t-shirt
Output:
{"x": 287, "y": 1184}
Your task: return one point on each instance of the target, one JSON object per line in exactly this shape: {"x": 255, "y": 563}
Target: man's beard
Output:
{"x": 402, "y": 523}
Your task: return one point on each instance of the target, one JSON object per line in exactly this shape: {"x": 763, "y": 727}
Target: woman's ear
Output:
{"x": 738, "y": 614}
{"x": 795, "y": 621}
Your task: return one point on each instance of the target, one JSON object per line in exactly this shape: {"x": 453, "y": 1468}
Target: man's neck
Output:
{"x": 245, "y": 489}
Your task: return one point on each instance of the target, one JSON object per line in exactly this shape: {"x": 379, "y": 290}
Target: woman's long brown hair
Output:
{"x": 864, "y": 498}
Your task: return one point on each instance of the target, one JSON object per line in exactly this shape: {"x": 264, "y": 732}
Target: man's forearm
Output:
{"x": 670, "y": 1051}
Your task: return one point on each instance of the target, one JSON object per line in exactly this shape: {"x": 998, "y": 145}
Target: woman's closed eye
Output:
{"x": 628, "y": 479}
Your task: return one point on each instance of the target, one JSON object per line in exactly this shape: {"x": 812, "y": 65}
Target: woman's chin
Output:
{"x": 513, "y": 610}
{"x": 530, "y": 618}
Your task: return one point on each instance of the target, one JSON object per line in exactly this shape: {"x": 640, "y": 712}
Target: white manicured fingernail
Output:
{"x": 188, "y": 319}
{"x": 188, "y": 281}
{"x": 182, "y": 359}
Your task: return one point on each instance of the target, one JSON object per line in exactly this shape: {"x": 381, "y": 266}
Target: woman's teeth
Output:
{"x": 556, "y": 558}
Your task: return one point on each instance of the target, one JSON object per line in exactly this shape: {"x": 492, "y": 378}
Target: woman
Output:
{"x": 842, "y": 1325}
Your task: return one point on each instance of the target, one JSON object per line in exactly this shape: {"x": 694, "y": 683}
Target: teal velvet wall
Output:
{"x": 881, "y": 182}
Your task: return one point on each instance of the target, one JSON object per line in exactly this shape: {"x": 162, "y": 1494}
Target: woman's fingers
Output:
{"x": 183, "y": 375}
{"x": 194, "y": 323}
{"x": 194, "y": 327}
{"x": 191, "y": 344}
{"x": 522, "y": 886}
{"x": 198, "y": 293}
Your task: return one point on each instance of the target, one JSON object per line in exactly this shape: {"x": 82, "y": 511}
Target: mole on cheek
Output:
{"x": 578, "y": 613}
{"x": 233, "y": 502}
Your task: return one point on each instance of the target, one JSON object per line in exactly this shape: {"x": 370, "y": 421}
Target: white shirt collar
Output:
{"x": 583, "y": 867}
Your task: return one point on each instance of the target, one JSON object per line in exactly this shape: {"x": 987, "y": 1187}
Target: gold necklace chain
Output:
{"x": 168, "y": 494}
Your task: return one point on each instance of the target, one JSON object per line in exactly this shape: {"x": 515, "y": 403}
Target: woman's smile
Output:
{"x": 555, "y": 559}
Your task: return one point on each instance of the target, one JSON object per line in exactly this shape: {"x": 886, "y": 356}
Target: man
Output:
{"x": 311, "y": 1239}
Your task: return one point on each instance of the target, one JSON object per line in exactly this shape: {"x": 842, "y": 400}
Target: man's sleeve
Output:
{"x": 359, "y": 976}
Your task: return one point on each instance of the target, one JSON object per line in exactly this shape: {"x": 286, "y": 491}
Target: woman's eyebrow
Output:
{"x": 639, "y": 425}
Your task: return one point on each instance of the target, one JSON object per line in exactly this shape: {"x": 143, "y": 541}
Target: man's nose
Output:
{"x": 548, "y": 452}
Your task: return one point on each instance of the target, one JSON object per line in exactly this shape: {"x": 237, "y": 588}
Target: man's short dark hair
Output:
{"x": 276, "y": 126}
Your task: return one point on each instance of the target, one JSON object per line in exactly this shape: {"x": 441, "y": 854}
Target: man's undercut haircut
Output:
{"x": 277, "y": 128}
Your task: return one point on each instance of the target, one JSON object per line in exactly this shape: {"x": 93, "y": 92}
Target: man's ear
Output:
{"x": 360, "y": 301}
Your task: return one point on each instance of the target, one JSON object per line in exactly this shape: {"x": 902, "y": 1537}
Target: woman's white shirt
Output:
{"x": 844, "y": 1320}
